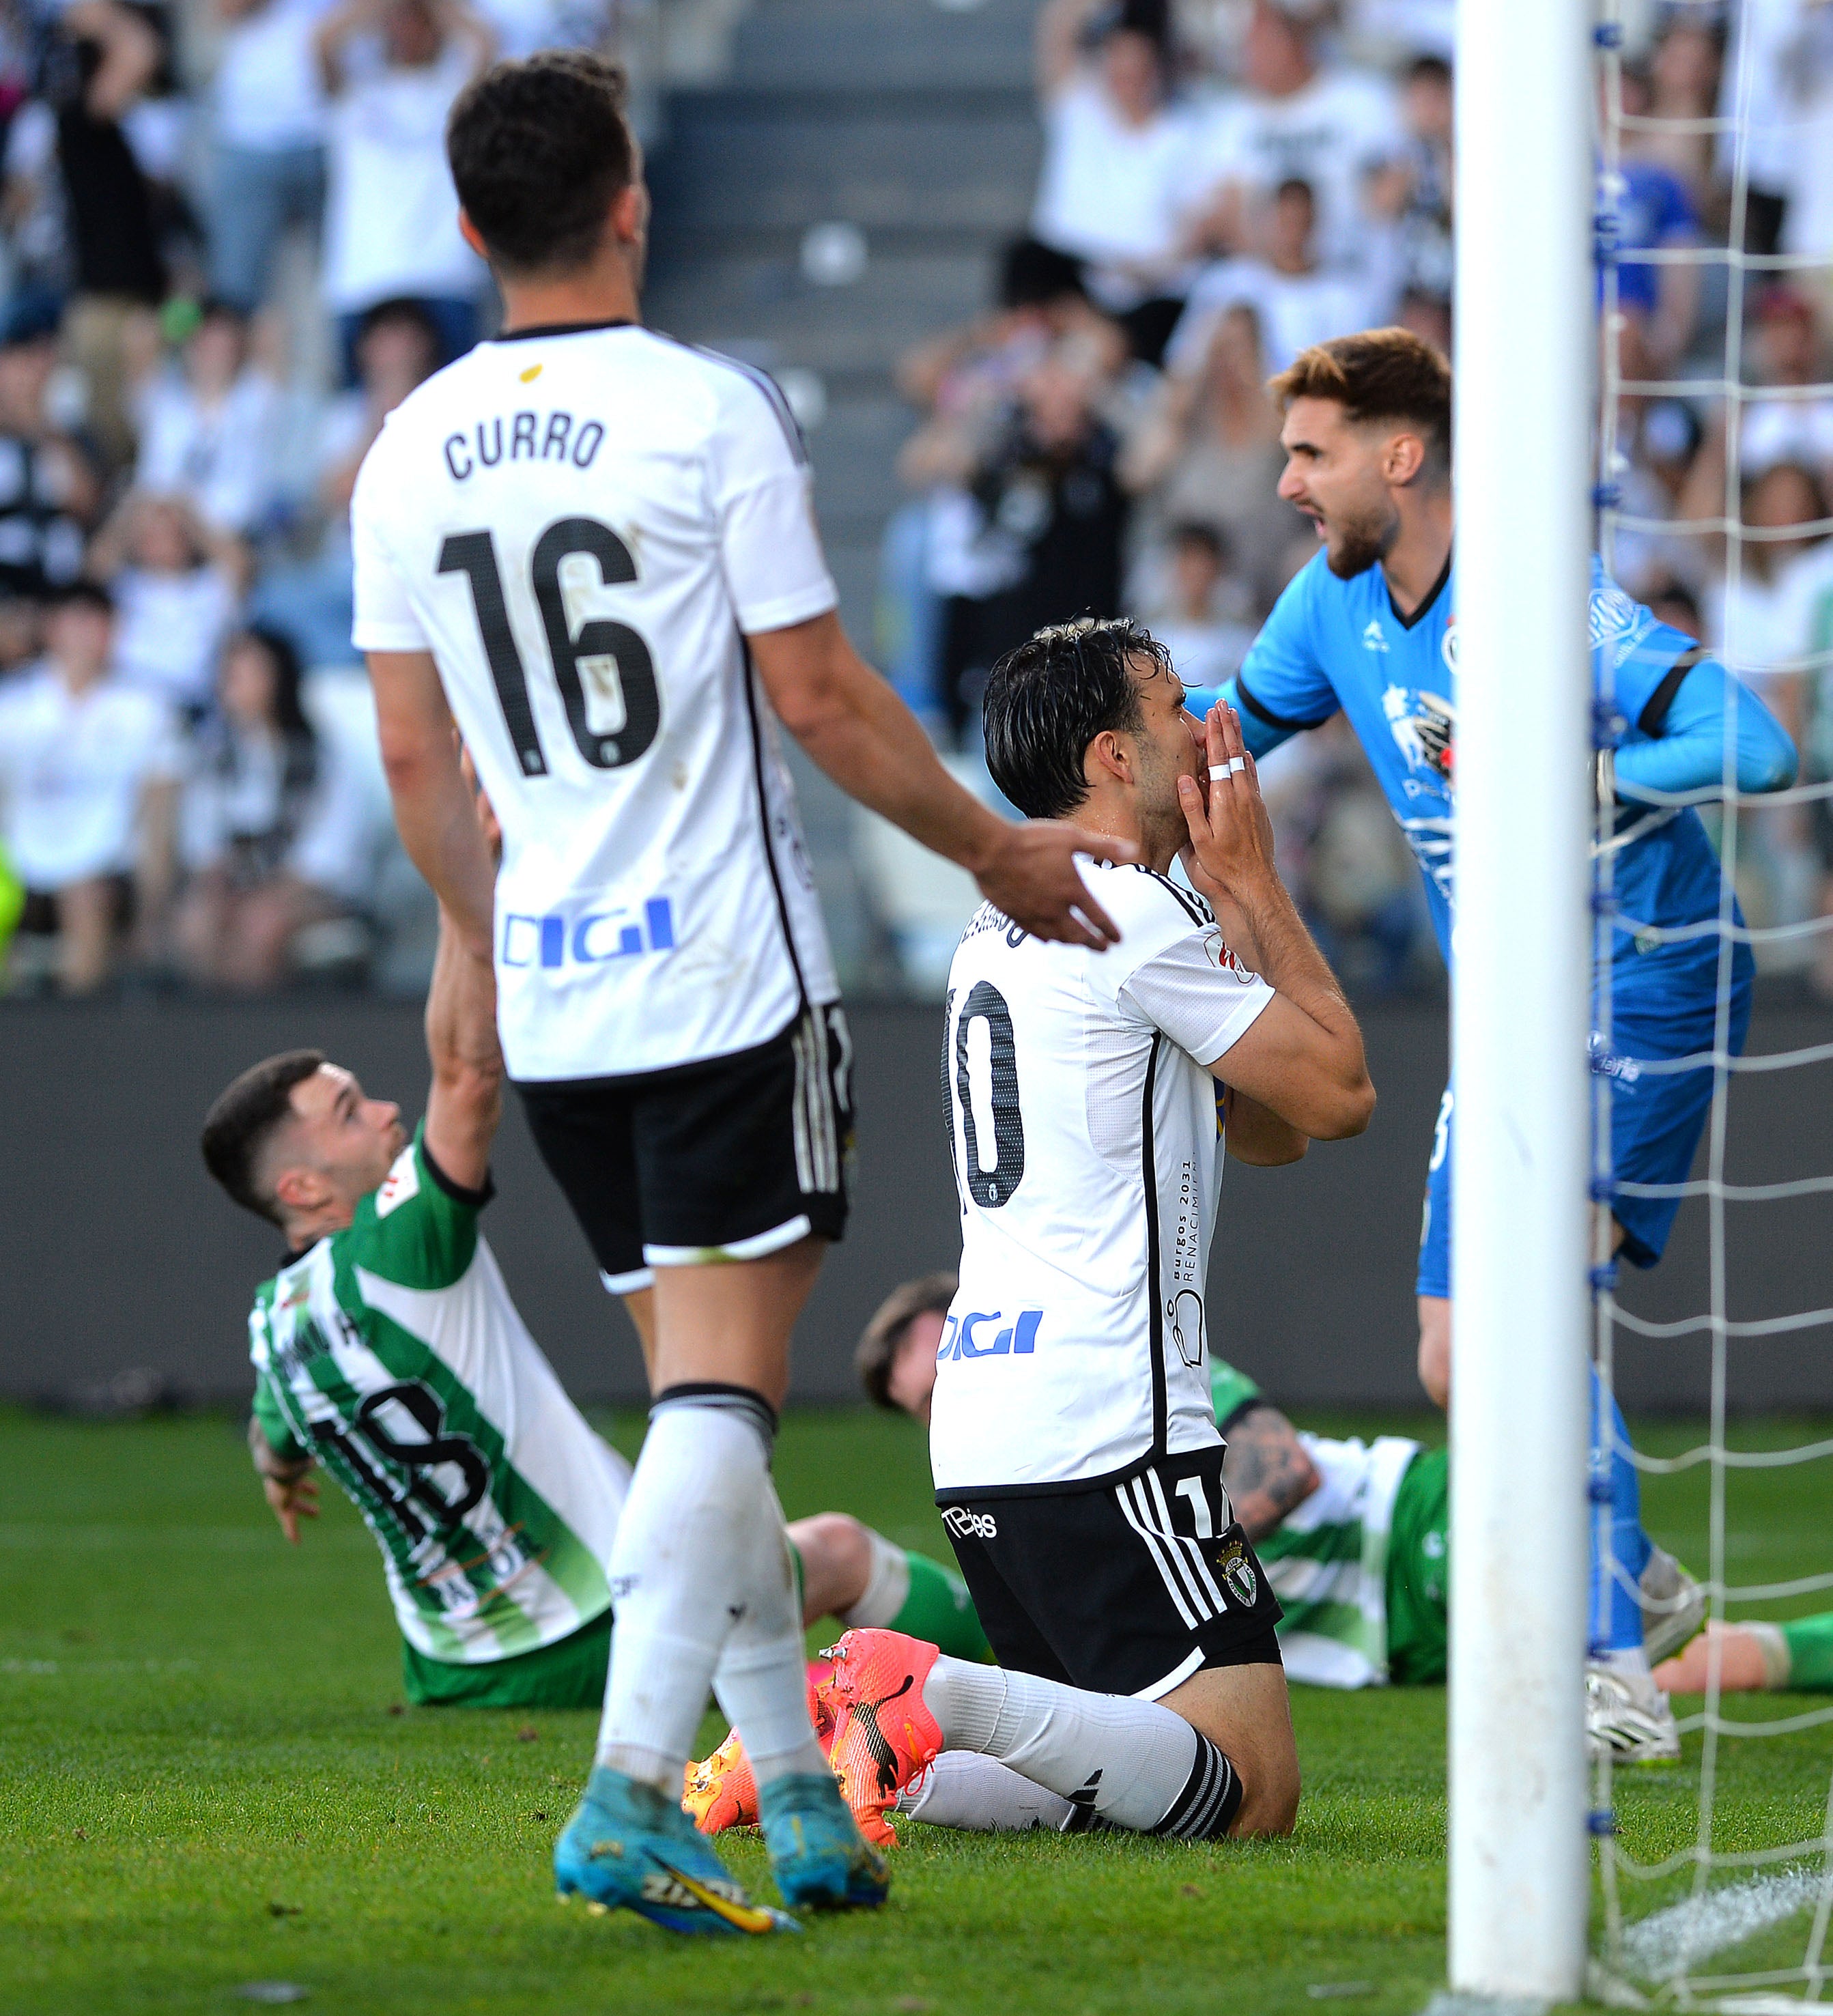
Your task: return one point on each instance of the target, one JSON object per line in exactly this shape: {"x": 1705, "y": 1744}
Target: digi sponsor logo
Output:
{"x": 595, "y": 937}
{"x": 977, "y": 1335}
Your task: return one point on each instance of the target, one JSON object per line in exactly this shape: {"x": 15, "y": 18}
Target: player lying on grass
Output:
{"x": 1795, "y": 1657}
{"x": 387, "y": 1350}
{"x": 1354, "y": 1538}
{"x": 1368, "y": 628}
{"x": 1072, "y": 1440}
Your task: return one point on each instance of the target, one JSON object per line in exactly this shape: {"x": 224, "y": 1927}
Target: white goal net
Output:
{"x": 1716, "y": 1878}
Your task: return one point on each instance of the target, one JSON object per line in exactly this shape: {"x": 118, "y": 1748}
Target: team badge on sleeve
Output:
{"x": 402, "y": 1182}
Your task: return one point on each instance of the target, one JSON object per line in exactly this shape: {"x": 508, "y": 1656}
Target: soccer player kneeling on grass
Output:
{"x": 386, "y": 1349}
{"x": 1075, "y": 1452}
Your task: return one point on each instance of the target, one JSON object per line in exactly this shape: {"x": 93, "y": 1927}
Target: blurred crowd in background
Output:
{"x": 1226, "y": 181}
{"x": 229, "y": 247}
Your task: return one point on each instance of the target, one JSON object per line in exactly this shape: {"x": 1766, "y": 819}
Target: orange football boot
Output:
{"x": 883, "y": 1735}
{"x": 722, "y": 1791}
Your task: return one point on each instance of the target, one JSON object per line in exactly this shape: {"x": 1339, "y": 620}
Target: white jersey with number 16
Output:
{"x": 580, "y": 524}
{"x": 1083, "y": 1120}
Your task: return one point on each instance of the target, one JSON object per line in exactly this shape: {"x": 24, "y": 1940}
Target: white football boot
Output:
{"x": 1627, "y": 1718}
{"x": 1673, "y": 1607}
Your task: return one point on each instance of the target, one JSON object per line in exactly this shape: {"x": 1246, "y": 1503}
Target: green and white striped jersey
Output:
{"x": 1328, "y": 1561}
{"x": 391, "y": 1352}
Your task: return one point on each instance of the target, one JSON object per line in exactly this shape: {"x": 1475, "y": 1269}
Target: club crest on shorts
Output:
{"x": 1238, "y": 1571}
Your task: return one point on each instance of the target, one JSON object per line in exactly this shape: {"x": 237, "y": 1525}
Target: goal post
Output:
{"x": 1519, "y": 1857}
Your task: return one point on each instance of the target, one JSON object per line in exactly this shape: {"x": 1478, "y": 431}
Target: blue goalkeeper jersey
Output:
{"x": 1331, "y": 644}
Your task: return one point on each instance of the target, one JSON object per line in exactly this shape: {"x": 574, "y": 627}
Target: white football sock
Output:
{"x": 1631, "y": 1665}
{"x": 1137, "y": 1765}
{"x": 888, "y": 1587}
{"x": 961, "y": 1789}
{"x": 761, "y": 1678}
{"x": 682, "y": 1567}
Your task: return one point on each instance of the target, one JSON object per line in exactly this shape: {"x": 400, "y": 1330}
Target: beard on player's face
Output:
{"x": 1160, "y": 760}
{"x": 1357, "y": 537}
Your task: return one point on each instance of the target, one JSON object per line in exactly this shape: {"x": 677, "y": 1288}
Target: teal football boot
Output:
{"x": 819, "y": 1858}
{"x": 628, "y": 1847}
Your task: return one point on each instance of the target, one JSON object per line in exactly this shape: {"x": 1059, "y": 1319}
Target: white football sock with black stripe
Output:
{"x": 1130, "y": 1763}
{"x": 961, "y": 1789}
{"x": 698, "y": 1554}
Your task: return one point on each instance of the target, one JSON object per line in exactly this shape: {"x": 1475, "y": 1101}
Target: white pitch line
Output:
{"x": 1669, "y": 1943}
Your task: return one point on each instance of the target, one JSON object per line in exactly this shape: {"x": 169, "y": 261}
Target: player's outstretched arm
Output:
{"x": 864, "y": 737}
{"x": 1302, "y": 1057}
{"x": 466, "y": 1102}
{"x": 433, "y": 806}
{"x": 1686, "y": 751}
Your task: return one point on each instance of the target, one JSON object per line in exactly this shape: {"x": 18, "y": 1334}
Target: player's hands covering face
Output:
{"x": 1231, "y": 852}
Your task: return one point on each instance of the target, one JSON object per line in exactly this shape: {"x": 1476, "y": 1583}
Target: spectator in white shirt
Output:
{"x": 176, "y": 586}
{"x": 1787, "y": 341}
{"x": 1776, "y": 100}
{"x": 210, "y": 426}
{"x": 1412, "y": 196}
{"x": 1116, "y": 182}
{"x": 1207, "y": 449}
{"x": 50, "y": 486}
{"x": 1750, "y": 614}
{"x": 1297, "y": 303}
{"x": 1333, "y": 129}
{"x": 392, "y": 69}
{"x": 89, "y": 770}
{"x": 1198, "y": 609}
{"x": 309, "y": 600}
{"x": 1390, "y": 31}
{"x": 268, "y": 172}
{"x": 277, "y": 836}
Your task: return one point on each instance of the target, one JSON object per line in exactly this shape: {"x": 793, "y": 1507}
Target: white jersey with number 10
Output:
{"x": 1083, "y": 1122}
{"x": 581, "y": 525}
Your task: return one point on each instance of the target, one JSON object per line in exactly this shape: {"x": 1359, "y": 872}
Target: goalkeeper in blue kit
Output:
{"x": 1368, "y": 628}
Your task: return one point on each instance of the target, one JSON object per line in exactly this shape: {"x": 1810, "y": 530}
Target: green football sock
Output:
{"x": 1809, "y": 1640}
{"x": 939, "y": 1611}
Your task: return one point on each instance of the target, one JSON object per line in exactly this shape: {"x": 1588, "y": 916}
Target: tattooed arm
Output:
{"x": 1266, "y": 1471}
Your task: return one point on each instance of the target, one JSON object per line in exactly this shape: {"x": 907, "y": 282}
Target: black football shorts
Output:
{"x": 1123, "y": 1588}
{"x": 732, "y": 1159}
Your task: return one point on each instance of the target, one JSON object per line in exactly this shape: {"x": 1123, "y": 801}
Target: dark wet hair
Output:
{"x": 1047, "y": 700}
{"x": 539, "y": 150}
{"x": 244, "y": 1120}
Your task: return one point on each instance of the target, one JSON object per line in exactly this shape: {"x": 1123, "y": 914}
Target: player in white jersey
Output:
{"x": 595, "y": 549}
{"x": 1074, "y": 1444}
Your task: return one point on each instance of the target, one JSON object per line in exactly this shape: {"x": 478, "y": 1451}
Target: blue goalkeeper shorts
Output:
{"x": 1658, "y": 1011}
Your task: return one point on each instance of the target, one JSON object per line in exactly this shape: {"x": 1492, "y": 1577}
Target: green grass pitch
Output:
{"x": 208, "y": 1782}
